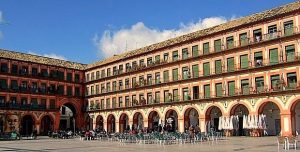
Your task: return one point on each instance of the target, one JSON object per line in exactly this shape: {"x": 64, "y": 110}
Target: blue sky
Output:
{"x": 89, "y": 30}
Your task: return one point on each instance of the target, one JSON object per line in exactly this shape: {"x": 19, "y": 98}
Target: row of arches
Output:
{"x": 191, "y": 117}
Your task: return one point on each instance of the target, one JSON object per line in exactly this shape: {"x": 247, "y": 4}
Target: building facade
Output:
{"x": 248, "y": 66}
{"x": 37, "y": 93}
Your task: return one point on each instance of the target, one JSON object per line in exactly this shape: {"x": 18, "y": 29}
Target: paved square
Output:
{"x": 264, "y": 144}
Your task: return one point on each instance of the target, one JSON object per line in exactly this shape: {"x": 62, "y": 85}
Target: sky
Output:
{"x": 86, "y": 31}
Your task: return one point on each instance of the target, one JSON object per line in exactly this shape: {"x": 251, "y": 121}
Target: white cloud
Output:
{"x": 51, "y": 55}
{"x": 139, "y": 35}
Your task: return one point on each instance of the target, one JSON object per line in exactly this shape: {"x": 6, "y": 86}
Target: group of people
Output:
{"x": 193, "y": 130}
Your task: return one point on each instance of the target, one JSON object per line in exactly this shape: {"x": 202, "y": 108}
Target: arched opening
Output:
{"x": 89, "y": 123}
{"x": 46, "y": 125}
{"x": 191, "y": 118}
{"x": 111, "y": 124}
{"x": 171, "y": 121}
{"x": 212, "y": 118}
{"x": 138, "y": 122}
{"x": 154, "y": 121}
{"x": 295, "y": 114}
{"x": 240, "y": 111}
{"x": 124, "y": 123}
{"x": 27, "y": 125}
{"x": 68, "y": 117}
{"x": 99, "y": 123}
{"x": 272, "y": 112}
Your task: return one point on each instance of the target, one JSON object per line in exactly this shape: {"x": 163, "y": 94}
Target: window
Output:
{"x": 290, "y": 53}
{"x": 244, "y": 63}
{"x": 157, "y": 97}
{"x": 195, "y": 69}
{"x": 291, "y": 80}
{"x": 186, "y": 73}
{"x": 207, "y": 91}
{"x": 166, "y": 56}
{"x": 258, "y": 59}
{"x": 149, "y": 98}
{"x": 134, "y": 100}
{"x": 259, "y": 83}
{"x": 217, "y": 45}
{"x": 186, "y": 96}
{"x": 108, "y": 72}
{"x": 149, "y": 61}
{"x": 257, "y": 34}
{"x": 127, "y": 101}
{"x": 127, "y": 83}
{"x": 87, "y": 78}
{"x": 272, "y": 32}
{"x": 115, "y": 70}
{"x": 69, "y": 77}
{"x": 245, "y": 86}
{"x": 120, "y": 84}
{"x": 97, "y": 89}
{"x": 23, "y": 101}
{"x": 166, "y": 76}
{"x": 114, "y": 86}
{"x": 195, "y": 51}
{"x": 230, "y": 42}
{"x": 3, "y": 84}
{"x": 185, "y": 53}
{"x": 114, "y": 102}
{"x": 102, "y": 88}
{"x": 218, "y": 66}
{"x": 196, "y": 92}
{"x": 43, "y": 103}
{"x": 134, "y": 65}
{"x": 142, "y": 100}
{"x": 128, "y": 67}
{"x": 14, "y": 69}
{"x": 142, "y": 62}
{"x": 134, "y": 84}
{"x": 175, "y": 55}
{"x": 52, "y": 104}
{"x": 4, "y": 67}
{"x": 77, "y": 91}
{"x": 24, "y": 70}
{"x": 120, "y": 69}
{"x": 149, "y": 79}
{"x": 43, "y": 87}
{"x": 157, "y": 59}
{"x": 34, "y": 87}
{"x": 108, "y": 103}
{"x": 61, "y": 75}
{"x": 98, "y": 75}
{"x": 231, "y": 88}
{"x": 219, "y": 90}
{"x": 141, "y": 80}
{"x": 175, "y": 95}
{"x": 175, "y": 74}
{"x": 34, "y": 71}
{"x": 243, "y": 39}
{"x": 69, "y": 91}
{"x": 206, "y": 48}
{"x": 92, "y": 90}
{"x": 108, "y": 87}
{"x": 273, "y": 56}
{"x": 44, "y": 73}
{"x": 102, "y": 73}
{"x": 157, "y": 78}
{"x": 14, "y": 85}
{"x": 230, "y": 64}
{"x": 166, "y": 96}
{"x": 288, "y": 28}
{"x": 102, "y": 104}
{"x": 120, "y": 102}
{"x": 206, "y": 69}
{"x": 275, "y": 82}
{"x": 77, "y": 77}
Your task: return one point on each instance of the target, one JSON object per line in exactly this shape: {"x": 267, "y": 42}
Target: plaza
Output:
{"x": 266, "y": 144}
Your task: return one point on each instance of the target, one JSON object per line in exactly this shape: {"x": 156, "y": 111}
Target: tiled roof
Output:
{"x": 291, "y": 7}
{"x": 40, "y": 59}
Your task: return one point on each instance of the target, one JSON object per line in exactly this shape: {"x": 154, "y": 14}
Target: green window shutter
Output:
{"x": 258, "y": 54}
{"x": 218, "y": 66}
{"x": 230, "y": 42}
{"x": 195, "y": 71}
{"x": 230, "y": 64}
{"x": 244, "y": 61}
{"x": 273, "y": 56}
{"x": 175, "y": 95}
{"x": 166, "y": 96}
{"x": 206, "y": 48}
{"x": 274, "y": 81}
{"x": 195, "y": 51}
{"x": 259, "y": 82}
{"x": 185, "y": 73}
{"x": 207, "y": 91}
{"x": 231, "y": 88}
{"x": 166, "y": 76}
{"x": 288, "y": 28}
{"x": 175, "y": 74}
{"x": 290, "y": 53}
{"x": 219, "y": 90}
{"x": 185, "y": 94}
{"x": 185, "y": 53}
{"x": 175, "y": 55}
{"x": 217, "y": 45}
{"x": 157, "y": 58}
{"x": 245, "y": 86}
{"x": 206, "y": 69}
{"x": 243, "y": 39}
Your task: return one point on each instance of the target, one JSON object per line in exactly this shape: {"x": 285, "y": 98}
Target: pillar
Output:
{"x": 145, "y": 123}
{"x": 202, "y": 123}
{"x": 94, "y": 124}
{"x": 180, "y": 124}
{"x": 286, "y": 124}
{"x": 105, "y": 125}
{"x": 117, "y": 126}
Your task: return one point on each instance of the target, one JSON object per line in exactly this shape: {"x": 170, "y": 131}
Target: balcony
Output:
{"x": 30, "y": 107}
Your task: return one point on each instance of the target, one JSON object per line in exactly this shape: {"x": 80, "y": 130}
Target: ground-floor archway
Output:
{"x": 154, "y": 121}
{"x": 240, "y": 111}
{"x": 138, "y": 122}
{"x": 273, "y": 122}
{"x": 99, "y": 123}
{"x": 171, "y": 120}
{"x": 111, "y": 124}
{"x": 46, "y": 125}
{"x": 68, "y": 117}
{"x": 295, "y": 118}
{"x": 124, "y": 123}
{"x": 27, "y": 126}
{"x": 191, "y": 118}
{"x": 212, "y": 116}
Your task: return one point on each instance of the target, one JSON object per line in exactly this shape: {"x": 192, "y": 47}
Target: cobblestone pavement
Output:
{"x": 264, "y": 144}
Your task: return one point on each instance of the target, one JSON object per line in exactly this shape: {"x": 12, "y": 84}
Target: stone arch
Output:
{"x": 191, "y": 117}
{"x": 47, "y": 122}
{"x": 239, "y": 110}
{"x": 138, "y": 121}
{"x": 208, "y": 107}
{"x": 124, "y": 122}
{"x": 171, "y": 120}
{"x": 294, "y": 109}
{"x": 234, "y": 104}
{"x": 261, "y": 104}
{"x": 27, "y": 124}
{"x": 171, "y": 108}
{"x": 154, "y": 120}
{"x": 100, "y": 122}
{"x": 212, "y": 115}
{"x": 156, "y": 110}
{"x": 73, "y": 117}
{"x": 111, "y": 123}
